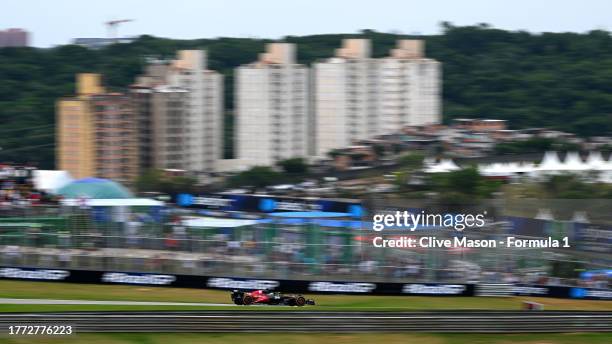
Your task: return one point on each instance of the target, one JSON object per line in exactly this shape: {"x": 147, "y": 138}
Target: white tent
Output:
{"x": 513, "y": 167}
{"x": 429, "y": 161}
{"x": 51, "y": 180}
{"x": 119, "y": 202}
{"x": 573, "y": 162}
{"x": 595, "y": 161}
{"x": 213, "y": 222}
{"x": 550, "y": 165}
{"x": 494, "y": 169}
{"x": 550, "y": 162}
{"x": 507, "y": 169}
{"x": 527, "y": 167}
{"x": 445, "y": 165}
{"x": 608, "y": 166}
{"x": 449, "y": 165}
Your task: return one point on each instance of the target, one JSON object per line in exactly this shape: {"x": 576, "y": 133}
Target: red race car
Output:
{"x": 263, "y": 297}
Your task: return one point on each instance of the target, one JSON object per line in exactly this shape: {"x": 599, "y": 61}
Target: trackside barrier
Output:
{"x": 297, "y": 286}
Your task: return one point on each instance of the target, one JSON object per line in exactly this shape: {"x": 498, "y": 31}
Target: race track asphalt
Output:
{"x": 304, "y": 320}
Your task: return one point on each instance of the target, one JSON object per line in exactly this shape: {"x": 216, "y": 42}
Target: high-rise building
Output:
{"x": 271, "y": 106}
{"x": 358, "y": 97}
{"x": 346, "y": 99}
{"x": 96, "y": 132}
{"x": 180, "y": 114}
{"x": 162, "y": 114}
{"x": 410, "y": 87}
{"x": 14, "y": 38}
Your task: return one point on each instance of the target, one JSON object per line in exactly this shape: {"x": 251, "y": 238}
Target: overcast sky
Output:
{"x": 53, "y": 22}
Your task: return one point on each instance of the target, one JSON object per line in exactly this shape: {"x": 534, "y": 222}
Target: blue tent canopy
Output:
{"x": 309, "y": 214}
{"x": 94, "y": 188}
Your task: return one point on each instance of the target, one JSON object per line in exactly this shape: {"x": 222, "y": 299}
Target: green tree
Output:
{"x": 334, "y": 153}
{"x": 149, "y": 181}
{"x": 557, "y": 80}
{"x": 413, "y": 161}
{"x": 294, "y": 166}
{"x": 463, "y": 185}
{"x": 158, "y": 181}
{"x": 570, "y": 186}
{"x": 379, "y": 149}
{"x": 534, "y": 145}
{"x": 257, "y": 176}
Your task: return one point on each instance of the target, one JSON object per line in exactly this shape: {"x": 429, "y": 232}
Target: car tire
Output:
{"x": 247, "y": 300}
{"x": 300, "y": 301}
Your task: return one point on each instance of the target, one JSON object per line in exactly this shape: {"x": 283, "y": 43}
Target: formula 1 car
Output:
{"x": 262, "y": 297}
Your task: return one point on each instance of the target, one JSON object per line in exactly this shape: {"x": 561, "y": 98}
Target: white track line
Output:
{"x": 94, "y": 302}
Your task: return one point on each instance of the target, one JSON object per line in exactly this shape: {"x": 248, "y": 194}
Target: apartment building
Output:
{"x": 14, "y": 38}
{"x": 410, "y": 88}
{"x": 271, "y": 108}
{"x": 180, "y": 114}
{"x": 358, "y": 97}
{"x": 96, "y": 132}
{"x": 162, "y": 115}
{"x": 347, "y": 97}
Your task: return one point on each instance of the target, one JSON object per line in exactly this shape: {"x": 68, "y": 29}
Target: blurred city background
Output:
{"x": 250, "y": 157}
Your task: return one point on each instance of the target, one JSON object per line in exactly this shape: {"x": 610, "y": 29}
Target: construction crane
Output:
{"x": 112, "y": 27}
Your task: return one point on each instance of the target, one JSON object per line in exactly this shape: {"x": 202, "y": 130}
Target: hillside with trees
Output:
{"x": 556, "y": 80}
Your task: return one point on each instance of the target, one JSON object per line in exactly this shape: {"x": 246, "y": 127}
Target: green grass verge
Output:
{"x": 53, "y": 290}
{"x": 320, "y": 338}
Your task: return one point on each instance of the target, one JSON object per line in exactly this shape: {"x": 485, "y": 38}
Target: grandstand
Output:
{"x": 308, "y": 245}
